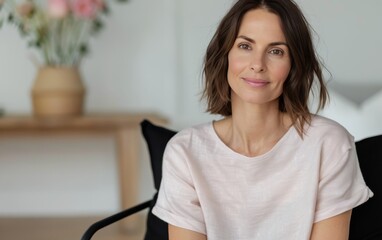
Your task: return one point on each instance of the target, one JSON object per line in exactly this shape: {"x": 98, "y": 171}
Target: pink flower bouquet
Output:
{"x": 60, "y": 29}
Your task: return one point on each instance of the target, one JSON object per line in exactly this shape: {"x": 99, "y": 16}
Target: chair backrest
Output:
{"x": 366, "y": 220}
{"x": 156, "y": 139}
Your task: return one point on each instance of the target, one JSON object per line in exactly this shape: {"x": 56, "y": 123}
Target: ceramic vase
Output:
{"x": 58, "y": 92}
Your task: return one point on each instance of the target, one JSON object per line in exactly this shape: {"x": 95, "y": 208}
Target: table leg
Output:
{"x": 128, "y": 149}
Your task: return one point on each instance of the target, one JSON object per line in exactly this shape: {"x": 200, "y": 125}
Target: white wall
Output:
{"x": 149, "y": 58}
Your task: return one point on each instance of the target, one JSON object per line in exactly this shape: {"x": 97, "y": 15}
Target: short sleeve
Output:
{"x": 341, "y": 186}
{"x": 178, "y": 203}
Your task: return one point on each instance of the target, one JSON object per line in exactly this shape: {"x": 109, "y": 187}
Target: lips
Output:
{"x": 256, "y": 82}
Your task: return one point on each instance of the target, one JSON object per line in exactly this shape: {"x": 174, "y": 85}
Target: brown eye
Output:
{"x": 244, "y": 46}
{"x": 276, "y": 52}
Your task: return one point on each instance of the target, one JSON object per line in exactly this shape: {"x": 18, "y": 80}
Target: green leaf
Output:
{"x": 84, "y": 49}
{"x": 35, "y": 44}
{"x": 11, "y": 18}
{"x": 22, "y": 31}
{"x": 97, "y": 26}
{"x": 106, "y": 9}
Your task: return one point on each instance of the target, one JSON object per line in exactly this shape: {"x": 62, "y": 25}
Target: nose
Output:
{"x": 258, "y": 63}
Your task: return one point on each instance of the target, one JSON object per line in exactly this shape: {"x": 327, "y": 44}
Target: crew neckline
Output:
{"x": 291, "y": 130}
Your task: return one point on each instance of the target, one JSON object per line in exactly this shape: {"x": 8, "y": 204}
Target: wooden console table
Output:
{"x": 125, "y": 128}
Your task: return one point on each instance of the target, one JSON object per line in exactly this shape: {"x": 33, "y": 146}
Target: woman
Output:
{"x": 269, "y": 169}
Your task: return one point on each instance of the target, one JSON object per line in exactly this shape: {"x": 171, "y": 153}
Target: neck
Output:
{"x": 255, "y": 132}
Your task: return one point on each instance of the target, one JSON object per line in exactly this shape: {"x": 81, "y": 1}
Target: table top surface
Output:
{"x": 86, "y": 121}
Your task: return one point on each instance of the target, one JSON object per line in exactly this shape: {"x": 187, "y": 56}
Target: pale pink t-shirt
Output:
{"x": 209, "y": 188}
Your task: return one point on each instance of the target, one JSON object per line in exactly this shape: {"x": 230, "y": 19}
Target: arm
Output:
{"x": 334, "y": 228}
{"x": 176, "y": 233}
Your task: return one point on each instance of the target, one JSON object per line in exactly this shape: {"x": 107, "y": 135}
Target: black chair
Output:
{"x": 366, "y": 221}
{"x": 156, "y": 138}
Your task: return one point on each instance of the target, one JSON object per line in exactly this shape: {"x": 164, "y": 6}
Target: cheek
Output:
{"x": 236, "y": 63}
{"x": 282, "y": 72}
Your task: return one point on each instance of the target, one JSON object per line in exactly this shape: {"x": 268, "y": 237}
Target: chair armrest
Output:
{"x": 113, "y": 218}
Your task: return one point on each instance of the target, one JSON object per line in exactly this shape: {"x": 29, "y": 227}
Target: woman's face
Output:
{"x": 259, "y": 61}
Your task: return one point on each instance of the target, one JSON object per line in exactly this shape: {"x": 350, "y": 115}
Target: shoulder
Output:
{"x": 325, "y": 124}
{"x": 191, "y": 136}
{"x": 329, "y": 136}
{"x": 196, "y": 131}
{"x": 325, "y": 129}
{"x": 185, "y": 148}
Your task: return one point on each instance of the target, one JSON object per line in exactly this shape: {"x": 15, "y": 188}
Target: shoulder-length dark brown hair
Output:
{"x": 305, "y": 67}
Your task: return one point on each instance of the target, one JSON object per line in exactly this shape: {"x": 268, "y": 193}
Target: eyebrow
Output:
{"x": 253, "y": 41}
